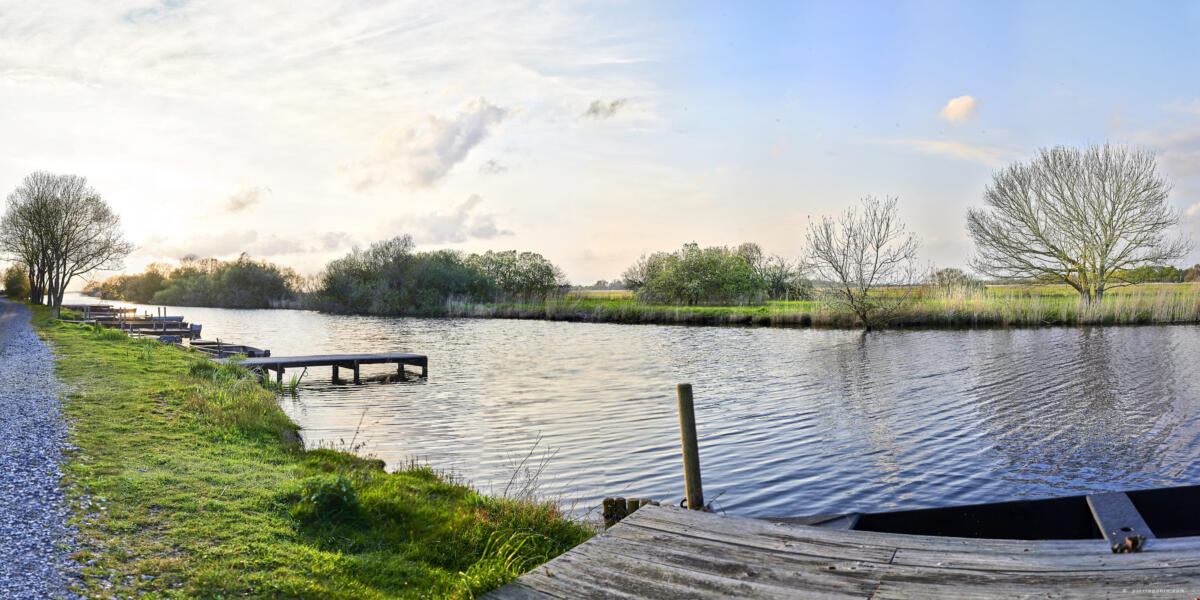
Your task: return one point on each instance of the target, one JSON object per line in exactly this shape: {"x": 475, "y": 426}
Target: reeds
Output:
{"x": 930, "y": 307}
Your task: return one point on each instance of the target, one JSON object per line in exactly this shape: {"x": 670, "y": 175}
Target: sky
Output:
{"x": 591, "y": 133}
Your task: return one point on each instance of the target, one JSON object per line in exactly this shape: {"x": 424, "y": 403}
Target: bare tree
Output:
{"x": 862, "y": 252}
{"x": 60, "y": 228}
{"x": 1082, "y": 217}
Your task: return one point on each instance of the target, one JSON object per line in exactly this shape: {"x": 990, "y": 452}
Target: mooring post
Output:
{"x": 356, "y": 379}
{"x": 691, "y": 448}
{"x": 400, "y": 371}
{"x": 279, "y": 374}
{"x": 335, "y": 374}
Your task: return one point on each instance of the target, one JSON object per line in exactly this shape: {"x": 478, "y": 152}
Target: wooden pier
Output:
{"x": 666, "y": 552}
{"x": 279, "y": 364}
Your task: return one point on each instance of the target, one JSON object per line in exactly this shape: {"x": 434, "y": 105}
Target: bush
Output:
{"x": 322, "y": 499}
{"x": 16, "y": 282}
{"x": 695, "y": 275}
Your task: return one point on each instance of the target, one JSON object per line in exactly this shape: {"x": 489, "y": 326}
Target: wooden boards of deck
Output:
{"x": 346, "y": 360}
{"x": 667, "y": 552}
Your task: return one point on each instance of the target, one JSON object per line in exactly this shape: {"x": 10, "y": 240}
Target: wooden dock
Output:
{"x": 279, "y": 364}
{"x": 673, "y": 553}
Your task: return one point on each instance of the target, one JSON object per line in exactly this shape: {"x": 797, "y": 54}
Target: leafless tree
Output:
{"x": 1082, "y": 217}
{"x": 60, "y": 228}
{"x": 861, "y": 252}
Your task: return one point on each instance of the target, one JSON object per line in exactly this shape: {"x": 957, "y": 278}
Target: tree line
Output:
{"x": 240, "y": 283}
{"x": 391, "y": 277}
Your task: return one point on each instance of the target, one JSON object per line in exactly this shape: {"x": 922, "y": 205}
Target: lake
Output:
{"x": 791, "y": 421}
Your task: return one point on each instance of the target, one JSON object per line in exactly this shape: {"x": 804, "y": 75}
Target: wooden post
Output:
{"x": 335, "y": 374}
{"x": 691, "y": 448}
{"x": 279, "y": 380}
{"x": 400, "y": 371}
{"x": 356, "y": 379}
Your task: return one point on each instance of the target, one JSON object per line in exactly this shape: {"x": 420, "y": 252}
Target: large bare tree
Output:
{"x": 861, "y": 252}
{"x": 59, "y": 228}
{"x": 1079, "y": 216}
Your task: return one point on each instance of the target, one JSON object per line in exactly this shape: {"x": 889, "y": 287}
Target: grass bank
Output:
{"x": 992, "y": 306}
{"x": 189, "y": 482}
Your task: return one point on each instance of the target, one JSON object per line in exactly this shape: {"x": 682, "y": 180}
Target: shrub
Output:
{"x": 322, "y": 499}
{"x": 16, "y": 282}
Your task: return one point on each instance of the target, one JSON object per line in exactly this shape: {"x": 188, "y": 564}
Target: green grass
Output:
{"x": 993, "y": 306}
{"x": 188, "y": 482}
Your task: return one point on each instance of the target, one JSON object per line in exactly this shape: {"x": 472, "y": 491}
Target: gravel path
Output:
{"x": 34, "y": 536}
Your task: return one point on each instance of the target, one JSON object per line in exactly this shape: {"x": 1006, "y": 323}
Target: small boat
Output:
{"x": 1126, "y": 520}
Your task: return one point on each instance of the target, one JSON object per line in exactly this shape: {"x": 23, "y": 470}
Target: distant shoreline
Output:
{"x": 997, "y": 306}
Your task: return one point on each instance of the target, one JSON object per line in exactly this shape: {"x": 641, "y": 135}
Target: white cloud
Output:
{"x": 232, "y": 243}
{"x": 1193, "y": 210}
{"x": 600, "y": 109}
{"x": 459, "y": 224}
{"x": 245, "y": 198}
{"x": 960, "y": 109}
{"x": 979, "y": 153}
{"x": 421, "y": 153}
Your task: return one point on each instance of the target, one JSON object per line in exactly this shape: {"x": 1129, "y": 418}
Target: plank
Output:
{"x": 574, "y": 576}
{"x": 765, "y": 574}
{"x": 1117, "y": 517}
{"x": 777, "y": 540}
{"x": 517, "y": 591}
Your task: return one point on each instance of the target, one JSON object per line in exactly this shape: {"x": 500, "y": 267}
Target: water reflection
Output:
{"x": 791, "y": 421}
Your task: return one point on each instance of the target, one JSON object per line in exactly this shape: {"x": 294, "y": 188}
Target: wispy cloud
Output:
{"x": 1192, "y": 107}
{"x": 421, "y": 153}
{"x": 232, "y": 243}
{"x": 960, "y": 109}
{"x": 600, "y": 109}
{"x": 457, "y": 224}
{"x": 979, "y": 153}
{"x": 245, "y": 198}
{"x": 492, "y": 167}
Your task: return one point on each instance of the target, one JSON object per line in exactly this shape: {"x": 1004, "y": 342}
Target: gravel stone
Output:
{"x": 35, "y": 539}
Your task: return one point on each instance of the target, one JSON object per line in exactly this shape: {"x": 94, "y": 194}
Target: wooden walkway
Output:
{"x": 672, "y": 553}
{"x": 348, "y": 361}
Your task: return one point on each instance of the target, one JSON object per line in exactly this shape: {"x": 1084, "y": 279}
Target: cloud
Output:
{"x": 459, "y": 224}
{"x": 245, "y": 198}
{"x": 492, "y": 167}
{"x": 1192, "y": 107}
{"x": 600, "y": 109}
{"x": 1193, "y": 210}
{"x": 421, "y": 153}
{"x": 960, "y": 109}
{"x": 979, "y": 153}
{"x": 334, "y": 240}
{"x": 232, "y": 243}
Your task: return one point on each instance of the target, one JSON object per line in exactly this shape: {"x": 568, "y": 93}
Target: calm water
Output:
{"x": 791, "y": 421}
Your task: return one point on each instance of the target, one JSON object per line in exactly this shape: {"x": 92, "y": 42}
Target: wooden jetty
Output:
{"x": 1138, "y": 544}
{"x": 279, "y": 364}
{"x": 666, "y": 552}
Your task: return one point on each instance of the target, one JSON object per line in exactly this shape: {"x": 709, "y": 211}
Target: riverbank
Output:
{"x": 995, "y": 306}
{"x": 189, "y": 481}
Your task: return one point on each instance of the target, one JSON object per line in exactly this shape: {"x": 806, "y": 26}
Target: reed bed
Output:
{"x": 992, "y": 306}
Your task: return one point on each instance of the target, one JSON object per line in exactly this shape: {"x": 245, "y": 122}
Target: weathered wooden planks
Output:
{"x": 667, "y": 552}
